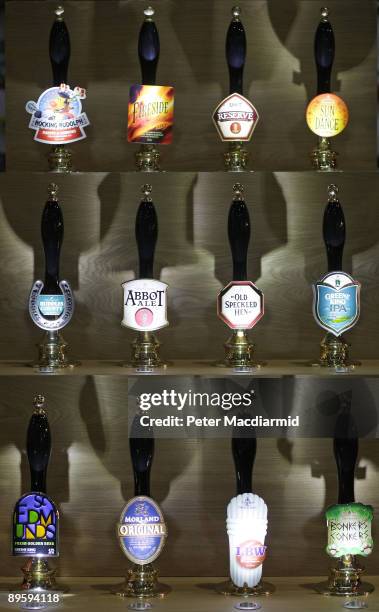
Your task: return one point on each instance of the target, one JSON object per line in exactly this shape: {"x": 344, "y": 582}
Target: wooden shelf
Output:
{"x": 207, "y": 369}
{"x": 198, "y": 595}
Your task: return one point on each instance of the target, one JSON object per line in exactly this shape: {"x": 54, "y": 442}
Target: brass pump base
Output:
{"x": 334, "y": 353}
{"x": 236, "y": 158}
{"x": 60, "y": 160}
{"x": 345, "y": 580}
{"x": 239, "y": 351}
{"x": 142, "y": 582}
{"x": 147, "y": 159}
{"x": 52, "y": 353}
{"x": 145, "y": 351}
{"x": 323, "y": 158}
{"x": 229, "y": 588}
{"x": 39, "y": 577}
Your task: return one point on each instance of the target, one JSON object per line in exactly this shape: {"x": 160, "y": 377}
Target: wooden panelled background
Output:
{"x": 99, "y": 252}
{"x": 90, "y": 474}
{"x": 90, "y": 477}
{"x": 280, "y": 78}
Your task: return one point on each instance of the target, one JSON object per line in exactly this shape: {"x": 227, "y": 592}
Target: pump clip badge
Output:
{"x": 349, "y": 530}
{"x": 240, "y": 305}
{"x": 327, "y": 115}
{"x": 235, "y": 118}
{"x": 142, "y": 531}
{"x": 57, "y": 116}
{"x": 151, "y": 114}
{"x": 35, "y": 526}
{"x": 145, "y": 304}
{"x": 51, "y": 312}
{"x": 336, "y": 302}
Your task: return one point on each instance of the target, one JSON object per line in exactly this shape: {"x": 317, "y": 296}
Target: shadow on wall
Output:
{"x": 286, "y": 24}
{"x": 355, "y": 408}
{"x": 2, "y": 89}
{"x": 267, "y": 208}
{"x": 98, "y": 415}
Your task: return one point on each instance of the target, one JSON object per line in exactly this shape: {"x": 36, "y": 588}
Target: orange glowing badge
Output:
{"x": 327, "y": 115}
{"x": 150, "y": 114}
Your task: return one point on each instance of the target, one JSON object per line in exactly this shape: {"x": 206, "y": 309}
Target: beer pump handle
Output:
{"x": 235, "y": 50}
{"x": 38, "y": 444}
{"x": 324, "y": 48}
{"x": 142, "y": 454}
{"x": 52, "y": 230}
{"x": 59, "y": 48}
{"x": 148, "y": 48}
{"x": 146, "y": 233}
{"x": 239, "y": 233}
{"x": 345, "y": 446}
{"x": 334, "y": 230}
{"x": 346, "y": 453}
{"x": 244, "y": 451}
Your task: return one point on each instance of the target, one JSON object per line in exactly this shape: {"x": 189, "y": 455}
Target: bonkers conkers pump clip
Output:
{"x": 348, "y": 522}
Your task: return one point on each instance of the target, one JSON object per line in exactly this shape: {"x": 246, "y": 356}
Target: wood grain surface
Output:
{"x": 99, "y": 252}
{"x": 280, "y": 78}
{"x": 291, "y": 595}
{"x": 274, "y": 368}
{"x": 90, "y": 474}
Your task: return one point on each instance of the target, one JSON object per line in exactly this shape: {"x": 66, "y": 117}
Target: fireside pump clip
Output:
{"x": 240, "y": 304}
{"x": 35, "y": 524}
{"x": 151, "y": 106}
{"x": 327, "y": 114}
{"x": 142, "y": 530}
{"x": 57, "y": 116}
{"x": 51, "y": 303}
{"x": 336, "y": 296}
{"x": 348, "y": 522}
{"x": 246, "y": 524}
{"x": 145, "y": 299}
{"x": 235, "y": 118}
